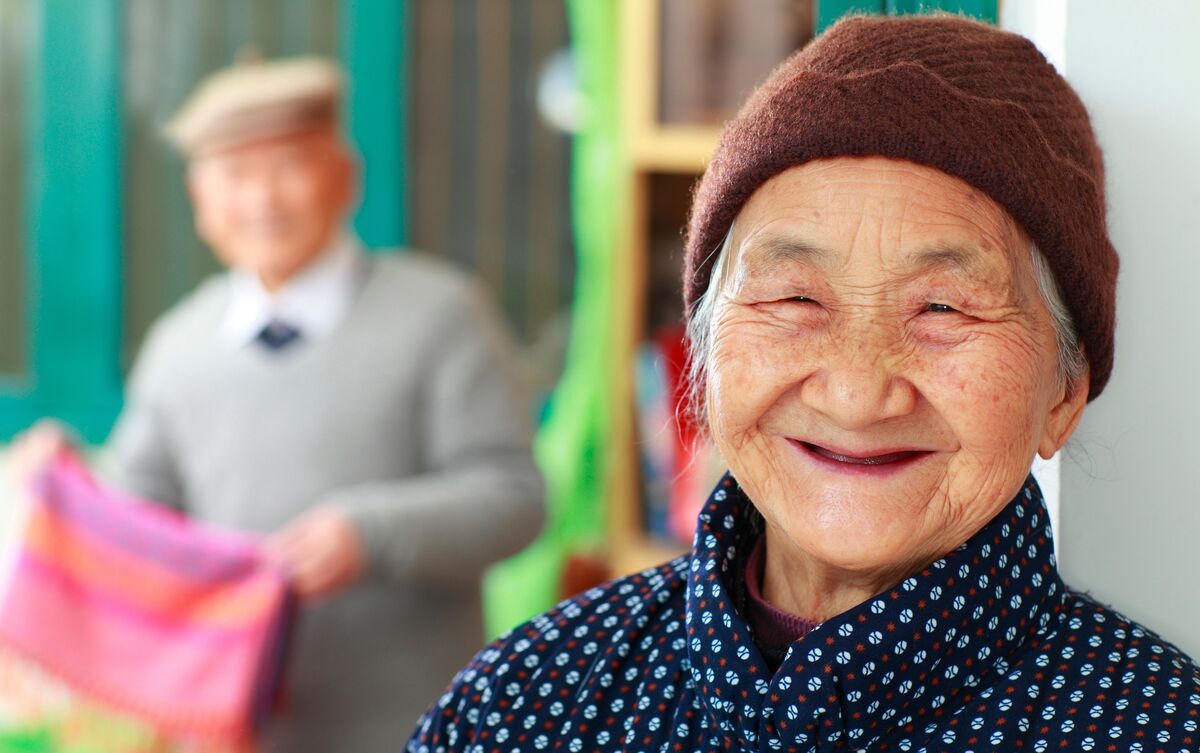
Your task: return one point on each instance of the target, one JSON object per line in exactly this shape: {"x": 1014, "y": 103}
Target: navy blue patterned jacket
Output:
{"x": 984, "y": 650}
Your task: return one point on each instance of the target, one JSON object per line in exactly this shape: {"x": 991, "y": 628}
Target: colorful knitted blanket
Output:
{"x": 138, "y": 608}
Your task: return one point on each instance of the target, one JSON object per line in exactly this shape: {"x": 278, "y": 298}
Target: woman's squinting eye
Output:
{"x": 800, "y": 299}
{"x": 940, "y": 308}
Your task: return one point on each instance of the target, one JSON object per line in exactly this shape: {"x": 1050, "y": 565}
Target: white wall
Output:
{"x": 1044, "y": 22}
{"x": 1130, "y": 518}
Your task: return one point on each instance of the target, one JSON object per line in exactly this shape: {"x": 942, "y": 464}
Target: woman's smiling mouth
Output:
{"x": 876, "y": 462}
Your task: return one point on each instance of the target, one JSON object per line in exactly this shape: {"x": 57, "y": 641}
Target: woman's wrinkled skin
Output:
{"x": 874, "y": 307}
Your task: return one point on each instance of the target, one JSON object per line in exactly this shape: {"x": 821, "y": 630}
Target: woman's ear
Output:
{"x": 1064, "y": 416}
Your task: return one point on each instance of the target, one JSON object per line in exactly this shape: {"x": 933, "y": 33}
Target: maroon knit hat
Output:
{"x": 958, "y": 95}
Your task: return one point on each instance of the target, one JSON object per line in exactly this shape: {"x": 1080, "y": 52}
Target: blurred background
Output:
{"x": 550, "y": 149}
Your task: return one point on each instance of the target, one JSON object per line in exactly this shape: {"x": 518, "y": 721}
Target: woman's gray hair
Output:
{"x": 1072, "y": 363}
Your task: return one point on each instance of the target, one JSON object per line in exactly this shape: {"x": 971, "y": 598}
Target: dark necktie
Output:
{"x": 278, "y": 335}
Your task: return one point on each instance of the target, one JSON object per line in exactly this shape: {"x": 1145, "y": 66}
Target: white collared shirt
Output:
{"x": 314, "y": 301}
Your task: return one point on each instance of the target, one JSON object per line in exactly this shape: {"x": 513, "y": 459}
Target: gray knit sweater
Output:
{"x": 408, "y": 416}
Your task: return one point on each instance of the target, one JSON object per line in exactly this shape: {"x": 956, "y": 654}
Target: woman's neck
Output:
{"x": 800, "y": 584}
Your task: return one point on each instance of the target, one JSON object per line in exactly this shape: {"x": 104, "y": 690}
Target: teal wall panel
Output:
{"x": 373, "y": 49}
{"x": 829, "y": 11}
{"x": 72, "y": 219}
{"x": 982, "y": 9}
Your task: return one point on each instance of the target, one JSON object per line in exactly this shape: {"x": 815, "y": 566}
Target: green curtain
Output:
{"x": 571, "y": 445}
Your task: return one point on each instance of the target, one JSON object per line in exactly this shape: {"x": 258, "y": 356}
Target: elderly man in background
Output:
{"x": 361, "y": 412}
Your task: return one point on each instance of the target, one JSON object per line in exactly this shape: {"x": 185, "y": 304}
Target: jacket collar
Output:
{"x": 901, "y": 659}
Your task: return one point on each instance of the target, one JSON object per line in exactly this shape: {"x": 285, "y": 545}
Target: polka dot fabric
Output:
{"x": 984, "y": 650}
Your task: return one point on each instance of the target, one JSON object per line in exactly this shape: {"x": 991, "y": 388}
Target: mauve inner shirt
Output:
{"x": 774, "y": 629}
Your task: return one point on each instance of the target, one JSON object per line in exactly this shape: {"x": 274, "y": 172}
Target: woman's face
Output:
{"x": 883, "y": 368}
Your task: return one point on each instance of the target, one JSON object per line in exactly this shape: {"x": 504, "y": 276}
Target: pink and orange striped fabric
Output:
{"x": 179, "y": 623}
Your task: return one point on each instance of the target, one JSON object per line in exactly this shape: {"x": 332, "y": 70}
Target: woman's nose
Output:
{"x": 858, "y": 387}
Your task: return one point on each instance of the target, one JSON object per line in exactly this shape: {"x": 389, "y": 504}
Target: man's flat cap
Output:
{"x": 254, "y": 100}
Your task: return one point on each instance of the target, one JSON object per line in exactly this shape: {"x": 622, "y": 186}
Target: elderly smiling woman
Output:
{"x": 900, "y": 289}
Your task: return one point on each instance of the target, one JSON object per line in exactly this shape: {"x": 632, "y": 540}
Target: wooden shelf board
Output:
{"x": 673, "y": 148}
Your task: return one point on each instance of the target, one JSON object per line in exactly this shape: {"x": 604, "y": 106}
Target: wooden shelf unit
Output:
{"x": 650, "y": 149}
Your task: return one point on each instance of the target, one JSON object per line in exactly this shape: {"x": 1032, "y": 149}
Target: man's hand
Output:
{"x": 322, "y": 550}
{"x": 34, "y": 448}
